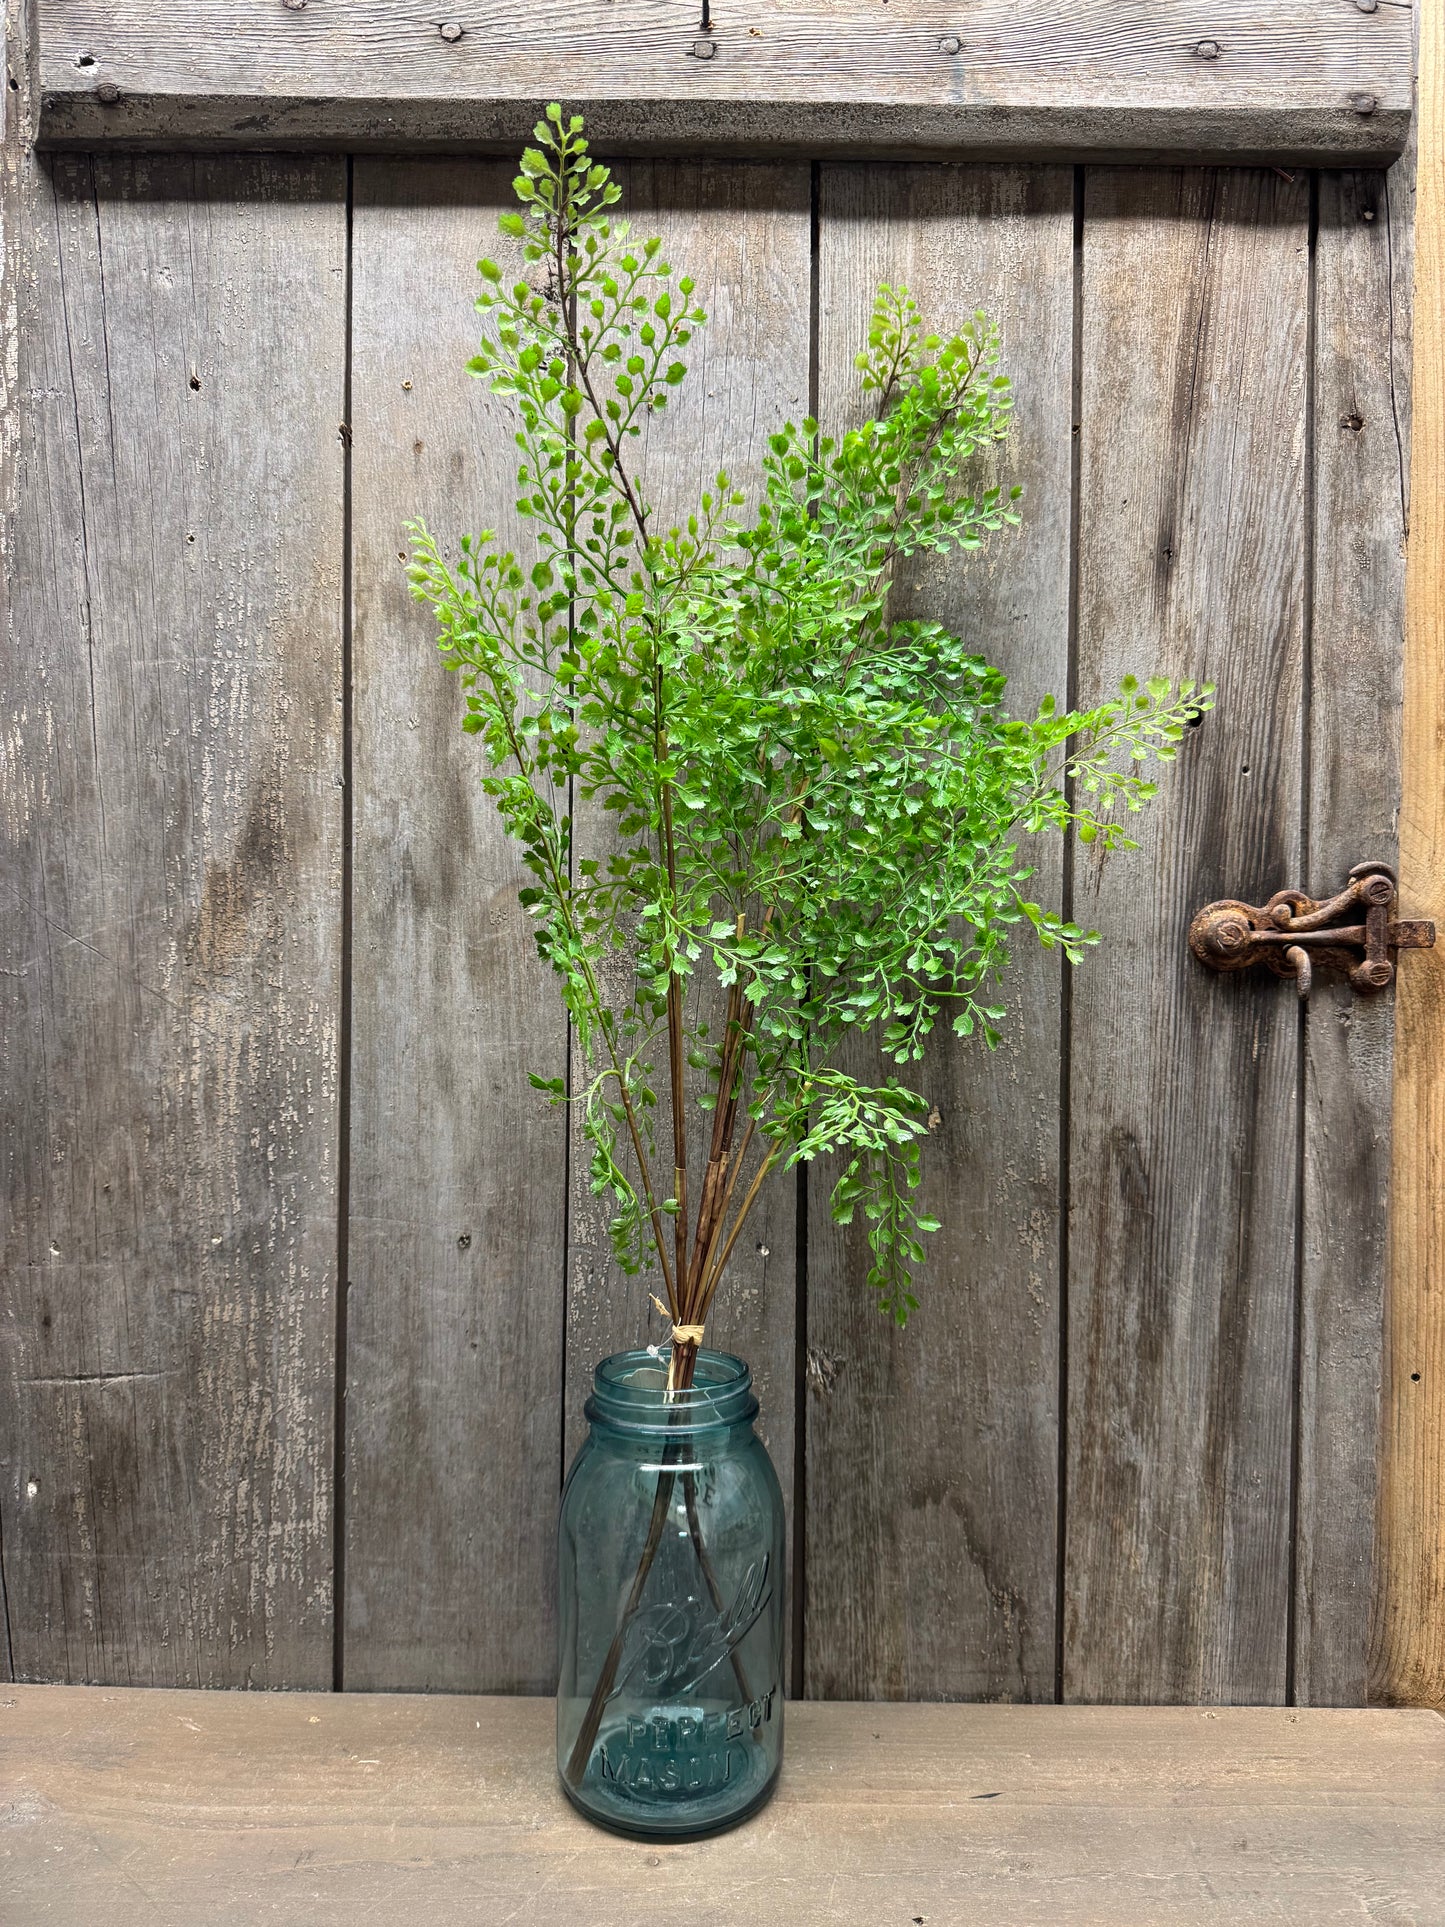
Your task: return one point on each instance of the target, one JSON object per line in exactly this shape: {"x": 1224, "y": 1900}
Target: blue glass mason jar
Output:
{"x": 671, "y": 1605}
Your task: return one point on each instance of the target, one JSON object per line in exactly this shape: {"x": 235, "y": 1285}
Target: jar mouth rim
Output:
{"x": 629, "y": 1389}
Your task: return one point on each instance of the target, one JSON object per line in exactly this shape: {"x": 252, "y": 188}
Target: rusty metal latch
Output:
{"x": 1292, "y": 932}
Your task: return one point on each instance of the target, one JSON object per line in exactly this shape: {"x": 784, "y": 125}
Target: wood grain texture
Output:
{"x": 1183, "y": 1123}
{"x": 170, "y": 986}
{"x": 315, "y": 1811}
{"x": 744, "y": 233}
{"x": 1360, "y": 451}
{"x": 1308, "y": 78}
{"x": 1408, "y": 1647}
{"x": 458, "y": 1168}
{"x": 932, "y": 1454}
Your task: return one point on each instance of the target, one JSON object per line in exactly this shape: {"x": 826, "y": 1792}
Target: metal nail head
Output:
{"x": 1364, "y": 103}
{"x": 450, "y": 30}
{"x": 107, "y": 93}
{"x": 950, "y": 44}
{"x": 703, "y": 49}
{"x": 1208, "y": 50}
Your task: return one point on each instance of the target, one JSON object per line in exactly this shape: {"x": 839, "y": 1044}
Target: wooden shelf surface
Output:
{"x": 121, "y": 1806}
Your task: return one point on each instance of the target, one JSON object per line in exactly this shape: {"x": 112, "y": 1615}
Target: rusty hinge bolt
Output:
{"x": 1293, "y": 933}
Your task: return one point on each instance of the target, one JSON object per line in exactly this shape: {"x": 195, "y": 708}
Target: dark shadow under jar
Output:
{"x": 671, "y": 1603}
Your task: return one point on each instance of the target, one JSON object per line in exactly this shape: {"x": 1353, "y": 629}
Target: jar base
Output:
{"x": 634, "y": 1824}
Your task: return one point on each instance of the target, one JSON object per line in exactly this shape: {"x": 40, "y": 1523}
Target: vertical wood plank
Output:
{"x": 932, "y": 1454}
{"x": 24, "y": 190}
{"x": 743, "y": 231}
{"x": 1408, "y": 1642}
{"x": 1183, "y": 1126}
{"x": 458, "y": 1168}
{"x": 1361, "y": 452}
{"x": 172, "y": 816}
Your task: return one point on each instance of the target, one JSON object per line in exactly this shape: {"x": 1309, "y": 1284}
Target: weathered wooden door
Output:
{"x": 302, "y": 1288}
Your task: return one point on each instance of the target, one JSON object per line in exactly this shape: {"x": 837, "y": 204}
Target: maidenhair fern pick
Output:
{"x": 818, "y": 805}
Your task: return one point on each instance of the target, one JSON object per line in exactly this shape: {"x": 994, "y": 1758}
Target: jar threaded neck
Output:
{"x": 629, "y": 1392}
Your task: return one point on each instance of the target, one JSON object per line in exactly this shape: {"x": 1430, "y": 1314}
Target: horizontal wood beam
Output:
{"x": 1325, "y": 81}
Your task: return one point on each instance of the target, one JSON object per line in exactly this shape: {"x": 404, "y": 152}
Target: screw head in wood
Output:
{"x": 1367, "y": 6}
{"x": 703, "y": 49}
{"x": 107, "y": 93}
{"x": 950, "y": 44}
{"x": 1364, "y": 103}
{"x": 1207, "y": 50}
{"x": 450, "y": 30}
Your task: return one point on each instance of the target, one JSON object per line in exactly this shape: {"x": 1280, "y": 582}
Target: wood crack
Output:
{"x": 81, "y": 504}
{"x": 99, "y": 1378}
{"x": 1393, "y": 345}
